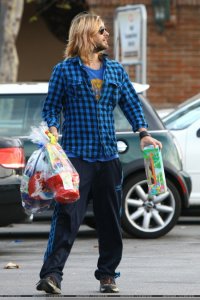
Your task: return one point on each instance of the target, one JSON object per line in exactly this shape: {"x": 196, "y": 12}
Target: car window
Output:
{"x": 121, "y": 123}
{"x": 183, "y": 118}
{"x": 18, "y": 113}
{"x": 153, "y": 120}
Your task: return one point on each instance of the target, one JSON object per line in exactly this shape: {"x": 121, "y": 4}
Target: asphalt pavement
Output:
{"x": 164, "y": 268}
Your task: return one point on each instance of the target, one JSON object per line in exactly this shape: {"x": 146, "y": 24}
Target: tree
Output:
{"x": 10, "y": 18}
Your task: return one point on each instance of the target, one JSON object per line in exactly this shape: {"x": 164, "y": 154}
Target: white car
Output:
{"x": 184, "y": 123}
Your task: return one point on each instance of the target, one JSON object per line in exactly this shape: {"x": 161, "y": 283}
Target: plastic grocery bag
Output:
{"x": 64, "y": 181}
{"x": 36, "y": 195}
{"x": 49, "y": 174}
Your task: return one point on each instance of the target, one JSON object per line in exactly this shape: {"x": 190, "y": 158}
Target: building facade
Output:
{"x": 173, "y": 48}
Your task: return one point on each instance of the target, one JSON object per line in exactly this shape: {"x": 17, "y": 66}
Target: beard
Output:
{"x": 100, "y": 47}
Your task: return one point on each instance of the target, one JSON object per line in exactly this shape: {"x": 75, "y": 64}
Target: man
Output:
{"x": 86, "y": 87}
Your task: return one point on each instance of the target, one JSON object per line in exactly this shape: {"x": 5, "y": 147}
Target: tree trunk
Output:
{"x": 10, "y": 18}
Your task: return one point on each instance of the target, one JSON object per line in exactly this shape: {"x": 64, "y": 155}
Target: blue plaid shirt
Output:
{"x": 88, "y": 129}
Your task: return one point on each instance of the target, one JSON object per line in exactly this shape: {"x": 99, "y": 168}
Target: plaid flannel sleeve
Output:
{"x": 53, "y": 102}
{"x": 131, "y": 105}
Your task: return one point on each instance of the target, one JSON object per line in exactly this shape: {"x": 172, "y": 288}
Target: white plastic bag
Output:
{"x": 48, "y": 175}
{"x": 36, "y": 196}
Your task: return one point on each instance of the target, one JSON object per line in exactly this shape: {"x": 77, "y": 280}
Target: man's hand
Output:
{"x": 54, "y": 131}
{"x": 148, "y": 140}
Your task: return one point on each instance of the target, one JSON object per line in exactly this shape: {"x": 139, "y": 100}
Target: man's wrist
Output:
{"x": 144, "y": 133}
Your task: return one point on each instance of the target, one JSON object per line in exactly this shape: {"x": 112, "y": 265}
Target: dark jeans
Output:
{"x": 103, "y": 181}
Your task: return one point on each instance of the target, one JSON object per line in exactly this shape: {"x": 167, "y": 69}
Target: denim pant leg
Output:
{"x": 65, "y": 223}
{"x": 107, "y": 209}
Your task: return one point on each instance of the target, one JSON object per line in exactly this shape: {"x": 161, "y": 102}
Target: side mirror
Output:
{"x": 198, "y": 133}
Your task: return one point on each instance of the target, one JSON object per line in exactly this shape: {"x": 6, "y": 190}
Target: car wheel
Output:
{"x": 149, "y": 218}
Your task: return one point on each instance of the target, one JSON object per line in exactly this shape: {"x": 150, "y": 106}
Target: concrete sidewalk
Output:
{"x": 168, "y": 267}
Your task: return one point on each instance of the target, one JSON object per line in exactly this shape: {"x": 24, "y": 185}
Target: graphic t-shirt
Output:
{"x": 96, "y": 77}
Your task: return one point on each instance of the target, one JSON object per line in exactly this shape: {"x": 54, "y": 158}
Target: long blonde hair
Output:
{"x": 83, "y": 28}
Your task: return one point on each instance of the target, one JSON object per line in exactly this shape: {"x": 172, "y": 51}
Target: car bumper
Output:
{"x": 11, "y": 209}
{"x": 186, "y": 184}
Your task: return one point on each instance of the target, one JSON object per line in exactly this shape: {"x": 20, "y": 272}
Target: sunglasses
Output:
{"x": 102, "y": 29}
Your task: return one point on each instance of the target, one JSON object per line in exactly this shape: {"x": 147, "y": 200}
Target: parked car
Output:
{"x": 12, "y": 163}
{"x": 184, "y": 123}
{"x": 21, "y": 106}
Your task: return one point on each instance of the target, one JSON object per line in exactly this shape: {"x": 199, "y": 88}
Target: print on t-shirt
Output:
{"x": 96, "y": 78}
{"x": 96, "y": 86}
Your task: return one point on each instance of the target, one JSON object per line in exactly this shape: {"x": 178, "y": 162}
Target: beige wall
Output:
{"x": 38, "y": 49}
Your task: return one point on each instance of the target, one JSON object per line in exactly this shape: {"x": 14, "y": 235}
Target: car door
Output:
{"x": 192, "y": 150}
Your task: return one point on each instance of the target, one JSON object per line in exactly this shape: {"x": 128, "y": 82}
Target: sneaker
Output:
{"x": 108, "y": 285}
{"x": 49, "y": 285}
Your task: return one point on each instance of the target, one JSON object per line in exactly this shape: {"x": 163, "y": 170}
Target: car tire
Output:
{"x": 146, "y": 219}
